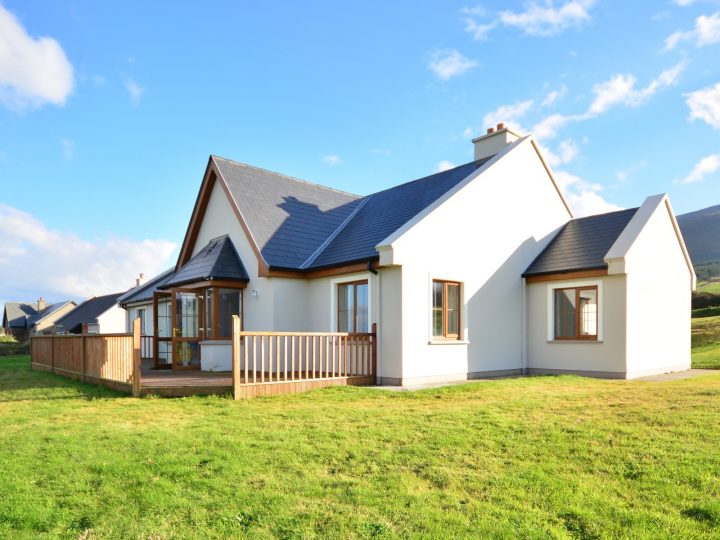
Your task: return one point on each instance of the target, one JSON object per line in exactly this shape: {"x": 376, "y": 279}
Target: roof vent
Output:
{"x": 494, "y": 140}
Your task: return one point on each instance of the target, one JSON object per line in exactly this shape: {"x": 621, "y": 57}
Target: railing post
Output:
{"x": 374, "y": 349}
{"x": 136, "y": 359}
{"x": 236, "y": 356}
{"x": 82, "y": 357}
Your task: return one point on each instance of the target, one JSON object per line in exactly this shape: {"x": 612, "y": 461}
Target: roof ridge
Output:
{"x": 315, "y": 184}
{"x": 604, "y": 214}
{"x": 429, "y": 176}
{"x": 334, "y": 234}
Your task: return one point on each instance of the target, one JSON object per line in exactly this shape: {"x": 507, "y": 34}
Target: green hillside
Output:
{"x": 701, "y": 231}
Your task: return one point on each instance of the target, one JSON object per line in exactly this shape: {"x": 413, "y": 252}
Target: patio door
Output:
{"x": 162, "y": 326}
{"x": 186, "y": 310}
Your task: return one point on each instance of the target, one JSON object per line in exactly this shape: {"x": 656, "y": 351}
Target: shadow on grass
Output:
{"x": 18, "y": 382}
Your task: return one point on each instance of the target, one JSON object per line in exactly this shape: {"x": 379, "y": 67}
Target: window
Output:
{"x": 446, "y": 309}
{"x": 576, "y": 313}
{"x": 141, "y": 316}
{"x": 220, "y": 305}
{"x": 352, "y": 307}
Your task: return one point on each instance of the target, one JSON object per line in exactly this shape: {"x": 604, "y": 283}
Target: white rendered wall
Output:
{"x": 605, "y": 357}
{"x": 484, "y": 236}
{"x": 112, "y": 321}
{"x": 659, "y": 287}
{"x": 132, "y": 314}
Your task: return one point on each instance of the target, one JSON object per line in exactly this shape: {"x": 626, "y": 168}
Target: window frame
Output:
{"x": 354, "y": 283}
{"x": 216, "y": 313}
{"x": 578, "y": 288}
{"x": 444, "y": 309}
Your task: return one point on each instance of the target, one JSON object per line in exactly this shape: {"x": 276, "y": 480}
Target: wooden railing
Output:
{"x": 146, "y": 347}
{"x": 112, "y": 360}
{"x": 268, "y": 357}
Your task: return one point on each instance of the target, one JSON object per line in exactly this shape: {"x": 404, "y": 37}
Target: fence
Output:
{"x": 317, "y": 358}
{"x": 112, "y": 360}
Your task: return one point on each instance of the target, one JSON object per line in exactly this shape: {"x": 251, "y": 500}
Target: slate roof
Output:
{"x": 581, "y": 244}
{"x": 87, "y": 312}
{"x": 289, "y": 218}
{"x": 145, "y": 292}
{"x": 24, "y": 314}
{"x": 302, "y": 226}
{"x": 382, "y": 213}
{"x": 217, "y": 260}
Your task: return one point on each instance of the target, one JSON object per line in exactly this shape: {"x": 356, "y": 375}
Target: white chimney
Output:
{"x": 493, "y": 141}
{"x": 140, "y": 280}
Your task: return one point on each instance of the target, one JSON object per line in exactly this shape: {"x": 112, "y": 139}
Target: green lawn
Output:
{"x": 562, "y": 457}
{"x": 712, "y": 287}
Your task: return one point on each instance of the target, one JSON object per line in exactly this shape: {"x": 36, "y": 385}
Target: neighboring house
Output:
{"x": 99, "y": 314}
{"x": 24, "y": 319}
{"x": 477, "y": 271}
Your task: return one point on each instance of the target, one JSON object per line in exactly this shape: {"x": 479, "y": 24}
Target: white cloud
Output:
{"x": 538, "y": 19}
{"x": 620, "y": 90}
{"x": 135, "y": 90}
{"x": 625, "y": 173}
{"x": 509, "y": 114}
{"x": 706, "y": 32}
{"x": 547, "y": 20}
{"x": 36, "y": 260}
{"x": 566, "y": 152}
{"x": 705, "y": 105}
{"x": 583, "y": 196}
{"x": 444, "y": 165}
{"x": 707, "y": 165}
{"x": 449, "y": 63}
{"x": 380, "y": 151}
{"x": 68, "y": 148}
{"x": 548, "y": 127}
{"x": 553, "y": 96}
{"x": 684, "y": 3}
{"x": 332, "y": 160}
{"x": 33, "y": 72}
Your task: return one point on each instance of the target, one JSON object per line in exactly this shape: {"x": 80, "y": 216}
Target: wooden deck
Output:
{"x": 173, "y": 383}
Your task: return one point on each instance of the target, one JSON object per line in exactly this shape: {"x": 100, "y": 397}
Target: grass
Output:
{"x": 540, "y": 457}
{"x": 712, "y": 287}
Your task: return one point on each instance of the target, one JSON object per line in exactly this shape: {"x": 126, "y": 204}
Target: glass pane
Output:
{"x": 437, "y": 294}
{"x": 453, "y": 293}
{"x": 164, "y": 352}
{"x": 565, "y": 313}
{"x": 229, "y": 302}
{"x": 187, "y": 353}
{"x": 209, "y": 312}
{"x": 362, "y": 307}
{"x": 437, "y": 323}
{"x": 186, "y": 307}
{"x": 588, "y": 312}
{"x": 164, "y": 318}
{"x": 343, "y": 300}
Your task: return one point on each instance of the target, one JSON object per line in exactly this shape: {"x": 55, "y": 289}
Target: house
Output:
{"x": 25, "y": 319}
{"x": 477, "y": 271}
{"x": 98, "y": 314}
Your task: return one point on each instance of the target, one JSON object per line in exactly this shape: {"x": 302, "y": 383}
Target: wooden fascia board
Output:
{"x": 560, "y": 276}
{"x": 213, "y": 175}
{"x": 197, "y": 216}
{"x": 551, "y": 176}
{"x": 681, "y": 241}
{"x": 323, "y": 272}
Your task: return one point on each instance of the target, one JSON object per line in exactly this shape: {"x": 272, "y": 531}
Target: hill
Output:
{"x": 701, "y": 231}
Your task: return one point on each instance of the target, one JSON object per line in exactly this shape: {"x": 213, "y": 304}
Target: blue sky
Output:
{"x": 108, "y": 112}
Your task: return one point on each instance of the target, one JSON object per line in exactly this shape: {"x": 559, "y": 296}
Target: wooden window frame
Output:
{"x": 445, "y": 335}
{"x": 355, "y": 304}
{"x": 216, "y": 312}
{"x": 578, "y": 314}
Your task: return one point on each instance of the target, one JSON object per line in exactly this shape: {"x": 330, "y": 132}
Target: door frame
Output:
{"x": 156, "y": 331}
{"x": 188, "y": 339}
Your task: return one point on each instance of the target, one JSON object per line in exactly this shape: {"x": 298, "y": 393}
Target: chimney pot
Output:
{"x": 490, "y": 130}
{"x": 500, "y": 126}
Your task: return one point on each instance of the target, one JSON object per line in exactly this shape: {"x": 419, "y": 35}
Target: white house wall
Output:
{"x": 131, "y": 313}
{"x": 112, "y": 321}
{"x": 604, "y": 357}
{"x": 484, "y": 236}
{"x": 658, "y": 293}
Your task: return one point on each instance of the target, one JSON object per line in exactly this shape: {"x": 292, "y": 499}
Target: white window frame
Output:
{"x": 572, "y": 284}
{"x": 334, "y": 282}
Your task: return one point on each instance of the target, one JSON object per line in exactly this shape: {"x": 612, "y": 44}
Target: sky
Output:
{"x": 109, "y": 111}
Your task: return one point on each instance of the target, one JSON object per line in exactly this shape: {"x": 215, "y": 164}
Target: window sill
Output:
{"x": 448, "y": 342}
